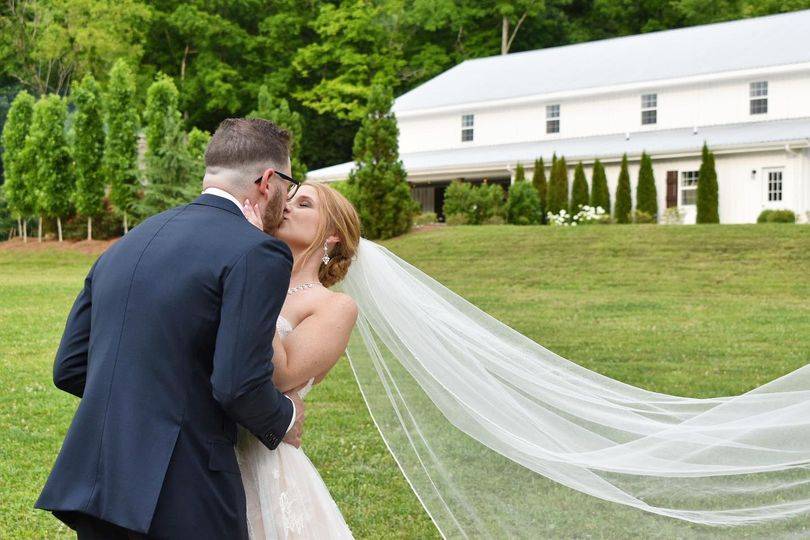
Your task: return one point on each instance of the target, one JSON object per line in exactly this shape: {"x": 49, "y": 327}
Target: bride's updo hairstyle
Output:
{"x": 337, "y": 216}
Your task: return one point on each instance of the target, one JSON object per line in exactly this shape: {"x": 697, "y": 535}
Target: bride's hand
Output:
{"x": 252, "y": 214}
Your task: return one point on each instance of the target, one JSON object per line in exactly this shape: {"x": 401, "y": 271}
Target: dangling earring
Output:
{"x": 326, "y": 258}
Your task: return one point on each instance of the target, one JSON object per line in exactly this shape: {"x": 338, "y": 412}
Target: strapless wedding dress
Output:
{"x": 286, "y": 497}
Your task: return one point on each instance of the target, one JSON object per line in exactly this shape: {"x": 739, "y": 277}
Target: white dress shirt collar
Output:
{"x": 222, "y": 193}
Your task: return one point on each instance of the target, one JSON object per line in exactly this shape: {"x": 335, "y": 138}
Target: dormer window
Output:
{"x": 467, "y": 121}
{"x": 758, "y": 94}
{"x": 552, "y": 118}
{"x": 649, "y": 109}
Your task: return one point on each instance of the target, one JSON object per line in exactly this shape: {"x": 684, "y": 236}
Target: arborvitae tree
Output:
{"x": 600, "y": 194}
{"x": 383, "y": 197}
{"x": 707, "y": 190}
{"x": 458, "y": 198}
{"x": 579, "y": 191}
{"x": 88, "y": 149}
{"x": 541, "y": 186}
{"x": 624, "y": 197}
{"x": 121, "y": 144}
{"x": 558, "y": 187}
{"x": 278, "y": 111}
{"x": 19, "y": 196}
{"x": 646, "y": 195}
{"x": 54, "y": 171}
{"x": 197, "y": 143}
{"x": 162, "y": 119}
{"x": 523, "y": 204}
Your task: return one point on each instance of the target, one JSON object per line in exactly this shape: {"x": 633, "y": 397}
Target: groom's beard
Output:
{"x": 274, "y": 212}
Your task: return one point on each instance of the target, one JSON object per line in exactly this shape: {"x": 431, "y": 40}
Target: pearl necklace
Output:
{"x": 301, "y": 287}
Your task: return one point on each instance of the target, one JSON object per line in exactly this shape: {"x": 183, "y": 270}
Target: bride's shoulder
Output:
{"x": 340, "y": 304}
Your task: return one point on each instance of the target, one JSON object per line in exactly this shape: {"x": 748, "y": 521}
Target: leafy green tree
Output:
{"x": 624, "y": 202}
{"x": 558, "y": 188}
{"x": 54, "y": 171}
{"x": 541, "y": 186}
{"x": 383, "y": 196}
{"x": 280, "y": 113}
{"x": 646, "y": 195}
{"x": 600, "y": 194}
{"x": 197, "y": 143}
{"x": 162, "y": 119}
{"x": 523, "y": 204}
{"x": 579, "y": 191}
{"x": 707, "y": 190}
{"x": 19, "y": 195}
{"x": 88, "y": 149}
{"x": 121, "y": 144}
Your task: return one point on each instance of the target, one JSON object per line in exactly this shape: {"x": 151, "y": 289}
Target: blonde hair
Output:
{"x": 338, "y": 216}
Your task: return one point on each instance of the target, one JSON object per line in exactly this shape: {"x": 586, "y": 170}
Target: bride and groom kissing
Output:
{"x": 191, "y": 345}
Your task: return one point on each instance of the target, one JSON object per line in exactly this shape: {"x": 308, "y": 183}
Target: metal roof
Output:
{"x": 749, "y": 135}
{"x": 753, "y": 43}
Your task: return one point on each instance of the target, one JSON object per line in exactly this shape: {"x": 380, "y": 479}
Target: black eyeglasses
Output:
{"x": 291, "y": 189}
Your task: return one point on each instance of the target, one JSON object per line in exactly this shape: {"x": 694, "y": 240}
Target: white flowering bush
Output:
{"x": 587, "y": 215}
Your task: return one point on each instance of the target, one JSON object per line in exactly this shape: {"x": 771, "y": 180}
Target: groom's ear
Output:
{"x": 264, "y": 184}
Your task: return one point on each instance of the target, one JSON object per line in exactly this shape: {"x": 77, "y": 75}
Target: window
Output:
{"x": 689, "y": 180}
{"x": 467, "y": 121}
{"x": 649, "y": 109}
{"x": 775, "y": 185}
{"x": 758, "y": 94}
{"x": 552, "y": 118}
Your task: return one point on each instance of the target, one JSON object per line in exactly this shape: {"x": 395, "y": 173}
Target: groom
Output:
{"x": 168, "y": 346}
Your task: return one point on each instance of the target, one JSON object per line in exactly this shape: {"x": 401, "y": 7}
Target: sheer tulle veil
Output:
{"x": 500, "y": 437}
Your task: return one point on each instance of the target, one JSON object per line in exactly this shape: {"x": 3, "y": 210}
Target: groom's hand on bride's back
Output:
{"x": 293, "y": 436}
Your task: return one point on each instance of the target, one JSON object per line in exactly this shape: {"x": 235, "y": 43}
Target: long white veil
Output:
{"x": 500, "y": 437}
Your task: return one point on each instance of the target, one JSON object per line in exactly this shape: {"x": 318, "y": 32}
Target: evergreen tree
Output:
{"x": 19, "y": 196}
{"x": 646, "y": 195}
{"x": 707, "y": 190}
{"x": 541, "y": 186}
{"x": 54, "y": 171}
{"x": 383, "y": 196}
{"x": 523, "y": 204}
{"x": 579, "y": 191}
{"x": 121, "y": 145}
{"x": 162, "y": 119}
{"x": 624, "y": 202}
{"x": 278, "y": 111}
{"x": 600, "y": 194}
{"x": 197, "y": 143}
{"x": 558, "y": 188}
{"x": 88, "y": 149}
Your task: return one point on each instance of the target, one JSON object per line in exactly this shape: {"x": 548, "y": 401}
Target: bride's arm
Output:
{"x": 316, "y": 344}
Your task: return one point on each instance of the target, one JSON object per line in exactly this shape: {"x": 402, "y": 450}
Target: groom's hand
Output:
{"x": 293, "y": 436}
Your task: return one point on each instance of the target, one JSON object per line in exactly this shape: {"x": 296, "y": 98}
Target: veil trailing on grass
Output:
{"x": 500, "y": 437}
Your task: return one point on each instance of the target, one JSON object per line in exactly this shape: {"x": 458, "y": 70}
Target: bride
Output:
{"x": 500, "y": 437}
{"x": 286, "y": 497}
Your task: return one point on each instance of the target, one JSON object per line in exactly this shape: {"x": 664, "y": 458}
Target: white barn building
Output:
{"x": 743, "y": 87}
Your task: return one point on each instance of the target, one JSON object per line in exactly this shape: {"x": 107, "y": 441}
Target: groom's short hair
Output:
{"x": 243, "y": 142}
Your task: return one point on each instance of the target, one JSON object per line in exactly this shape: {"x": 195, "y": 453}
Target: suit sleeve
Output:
{"x": 242, "y": 379}
{"x": 70, "y": 365}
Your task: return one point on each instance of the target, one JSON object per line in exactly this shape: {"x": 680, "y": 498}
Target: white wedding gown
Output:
{"x": 286, "y": 497}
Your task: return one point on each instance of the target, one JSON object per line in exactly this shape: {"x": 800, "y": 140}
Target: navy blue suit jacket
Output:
{"x": 169, "y": 346}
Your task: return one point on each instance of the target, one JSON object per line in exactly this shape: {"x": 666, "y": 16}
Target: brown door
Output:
{"x": 672, "y": 189}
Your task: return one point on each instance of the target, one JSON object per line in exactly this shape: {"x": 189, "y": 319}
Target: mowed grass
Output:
{"x": 693, "y": 310}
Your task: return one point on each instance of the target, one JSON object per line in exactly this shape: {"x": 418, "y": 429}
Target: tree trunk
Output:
{"x": 39, "y": 230}
{"x": 19, "y": 227}
{"x": 25, "y": 231}
{"x": 126, "y": 225}
{"x": 89, "y": 228}
{"x": 505, "y": 35}
{"x": 59, "y": 227}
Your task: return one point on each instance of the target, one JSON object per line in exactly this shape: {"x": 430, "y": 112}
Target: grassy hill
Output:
{"x": 694, "y": 310}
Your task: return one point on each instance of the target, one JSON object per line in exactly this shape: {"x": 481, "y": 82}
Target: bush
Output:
{"x": 523, "y": 206}
{"x": 776, "y": 216}
{"x": 478, "y": 204}
{"x": 456, "y": 219}
{"x": 495, "y": 220}
{"x": 672, "y": 216}
{"x": 640, "y": 216}
{"x": 424, "y": 218}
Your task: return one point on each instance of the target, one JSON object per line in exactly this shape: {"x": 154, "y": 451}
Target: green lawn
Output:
{"x": 692, "y": 310}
